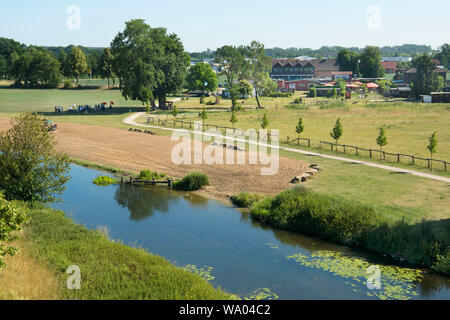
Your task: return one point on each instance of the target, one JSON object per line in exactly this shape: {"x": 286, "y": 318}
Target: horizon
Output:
{"x": 379, "y": 23}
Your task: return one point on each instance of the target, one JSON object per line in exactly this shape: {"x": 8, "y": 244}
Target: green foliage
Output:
{"x": 300, "y": 127}
{"x": 106, "y": 64}
{"x": 233, "y": 119}
{"x": 370, "y": 65}
{"x": 245, "y": 88}
{"x": 203, "y": 115}
{"x": 245, "y": 199}
{"x": 104, "y": 181}
{"x": 280, "y": 95}
{"x": 337, "y": 131}
{"x": 76, "y": 63}
{"x": 150, "y": 175}
{"x": 312, "y": 92}
{"x": 68, "y": 84}
{"x": 427, "y": 80}
{"x": 174, "y": 111}
{"x": 192, "y": 182}
{"x": 300, "y": 106}
{"x": 348, "y": 61}
{"x": 381, "y": 139}
{"x": 265, "y": 121}
{"x": 432, "y": 147}
{"x": 202, "y": 77}
{"x": 11, "y": 220}
{"x": 358, "y": 225}
{"x": 30, "y": 167}
{"x": 444, "y": 55}
{"x": 110, "y": 270}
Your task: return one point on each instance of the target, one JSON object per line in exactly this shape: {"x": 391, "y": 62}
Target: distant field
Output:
{"x": 408, "y": 125}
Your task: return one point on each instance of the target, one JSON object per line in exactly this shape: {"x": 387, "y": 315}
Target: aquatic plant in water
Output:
{"x": 396, "y": 283}
{"x": 104, "y": 181}
{"x": 204, "y": 272}
{"x": 262, "y": 294}
{"x": 273, "y": 245}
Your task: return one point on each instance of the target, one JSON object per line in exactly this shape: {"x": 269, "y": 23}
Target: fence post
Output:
{"x": 398, "y": 158}
{"x": 309, "y": 143}
{"x": 370, "y": 150}
{"x": 299, "y": 142}
{"x": 428, "y": 163}
{"x": 287, "y": 140}
{"x": 357, "y": 150}
{"x": 413, "y": 159}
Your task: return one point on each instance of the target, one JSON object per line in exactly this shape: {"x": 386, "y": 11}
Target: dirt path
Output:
{"x": 131, "y": 121}
{"x": 136, "y": 151}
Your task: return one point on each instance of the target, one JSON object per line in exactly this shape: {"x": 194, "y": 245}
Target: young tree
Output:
{"x": 265, "y": 121}
{"x": 370, "y": 63}
{"x": 381, "y": 140}
{"x": 299, "y": 129}
{"x": 76, "y": 63}
{"x": 432, "y": 147}
{"x": 233, "y": 119}
{"x": 260, "y": 66}
{"x": 174, "y": 111}
{"x": 426, "y": 79}
{"x": 203, "y": 115}
{"x": 202, "y": 77}
{"x": 245, "y": 88}
{"x": 313, "y": 92}
{"x": 106, "y": 64}
{"x": 337, "y": 132}
{"x": 11, "y": 220}
{"x": 30, "y": 166}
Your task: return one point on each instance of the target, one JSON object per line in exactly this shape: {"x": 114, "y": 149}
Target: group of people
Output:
{"x": 86, "y": 108}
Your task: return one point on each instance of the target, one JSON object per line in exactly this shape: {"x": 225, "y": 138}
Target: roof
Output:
{"x": 414, "y": 70}
{"x": 318, "y": 64}
{"x": 389, "y": 64}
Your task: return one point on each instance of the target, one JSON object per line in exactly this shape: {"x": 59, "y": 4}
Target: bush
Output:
{"x": 350, "y": 223}
{"x": 192, "y": 182}
{"x": 104, "y": 181}
{"x": 150, "y": 175}
{"x": 280, "y": 95}
{"x": 297, "y": 107}
{"x": 245, "y": 199}
{"x": 68, "y": 84}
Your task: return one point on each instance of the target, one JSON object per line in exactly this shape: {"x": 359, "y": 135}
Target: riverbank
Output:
{"x": 52, "y": 242}
{"x": 350, "y": 223}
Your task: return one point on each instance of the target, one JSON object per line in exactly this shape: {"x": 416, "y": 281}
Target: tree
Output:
{"x": 174, "y": 111}
{"x": 148, "y": 62}
{"x": 426, "y": 78}
{"x": 444, "y": 55}
{"x": 299, "y": 129}
{"x": 11, "y": 220}
{"x": 202, "y": 77}
{"x": 265, "y": 121}
{"x": 203, "y": 115}
{"x": 337, "y": 132}
{"x": 432, "y": 147}
{"x": 76, "y": 63}
{"x": 381, "y": 140}
{"x": 233, "y": 63}
{"x": 260, "y": 66}
{"x": 312, "y": 92}
{"x": 348, "y": 61}
{"x": 245, "y": 88}
{"x": 30, "y": 167}
{"x": 370, "y": 63}
{"x": 106, "y": 64}
{"x": 233, "y": 119}
{"x": 3, "y": 67}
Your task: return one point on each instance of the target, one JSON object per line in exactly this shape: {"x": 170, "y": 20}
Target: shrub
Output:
{"x": 297, "y": 107}
{"x": 245, "y": 199}
{"x": 192, "y": 182}
{"x": 11, "y": 220}
{"x": 280, "y": 95}
{"x": 68, "y": 84}
{"x": 150, "y": 175}
{"x": 104, "y": 181}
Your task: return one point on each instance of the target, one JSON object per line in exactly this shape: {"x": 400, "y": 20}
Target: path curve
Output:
{"x": 130, "y": 120}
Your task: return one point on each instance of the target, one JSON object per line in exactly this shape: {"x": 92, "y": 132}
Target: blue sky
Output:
{"x": 210, "y": 24}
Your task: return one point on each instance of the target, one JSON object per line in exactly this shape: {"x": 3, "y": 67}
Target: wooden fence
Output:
{"x": 308, "y": 141}
{"x": 198, "y": 126}
{"x": 393, "y": 157}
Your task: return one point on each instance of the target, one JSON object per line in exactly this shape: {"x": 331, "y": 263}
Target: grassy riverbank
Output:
{"x": 350, "y": 223}
{"x": 109, "y": 270}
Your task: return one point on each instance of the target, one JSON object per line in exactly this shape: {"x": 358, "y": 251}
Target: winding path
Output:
{"x": 130, "y": 120}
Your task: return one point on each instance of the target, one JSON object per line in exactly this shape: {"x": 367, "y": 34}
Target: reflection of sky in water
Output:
{"x": 242, "y": 257}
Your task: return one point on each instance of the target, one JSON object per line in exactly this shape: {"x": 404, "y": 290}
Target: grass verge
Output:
{"x": 109, "y": 270}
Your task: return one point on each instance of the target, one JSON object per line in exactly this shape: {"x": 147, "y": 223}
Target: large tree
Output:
{"x": 444, "y": 55}
{"x": 348, "y": 61}
{"x": 3, "y": 67}
{"x": 149, "y": 63}
{"x": 370, "y": 63}
{"x": 30, "y": 166}
{"x": 106, "y": 64}
{"x": 76, "y": 63}
{"x": 235, "y": 67}
{"x": 260, "y": 66}
{"x": 202, "y": 77}
{"x": 426, "y": 78}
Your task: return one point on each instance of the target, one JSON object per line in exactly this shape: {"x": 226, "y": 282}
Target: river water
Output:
{"x": 241, "y": 256}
